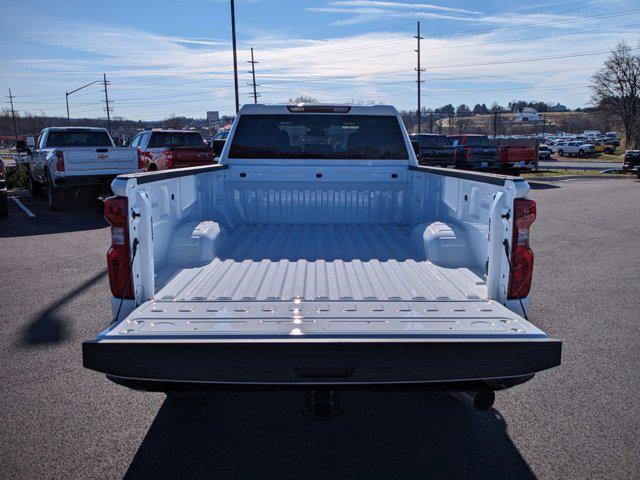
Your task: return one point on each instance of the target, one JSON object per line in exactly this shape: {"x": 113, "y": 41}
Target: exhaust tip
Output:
{"x": 484, "y": 400}
{"x": 479, "y": 400}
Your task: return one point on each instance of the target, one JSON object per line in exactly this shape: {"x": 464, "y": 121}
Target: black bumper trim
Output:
{"x": 84, "y": 181}
{"x": 291, "y": 363}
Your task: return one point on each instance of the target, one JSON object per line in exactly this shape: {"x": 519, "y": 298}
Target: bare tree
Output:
{"x": 615, "y": 89}
{"x": 302, "y": 99}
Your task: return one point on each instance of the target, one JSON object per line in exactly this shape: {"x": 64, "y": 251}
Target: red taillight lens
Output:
{"x": 467, "y": 153}
{"x": 118, "y": 256}
{"x": 140, "y": 160}
{"x": 521, "y": 255}
{"x": 168, "y": 155}
{"x": 60, "y": 161}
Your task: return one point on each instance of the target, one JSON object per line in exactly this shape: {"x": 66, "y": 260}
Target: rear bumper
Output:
{"x": 77, "y": 181}
{"x": 336, "y": 361}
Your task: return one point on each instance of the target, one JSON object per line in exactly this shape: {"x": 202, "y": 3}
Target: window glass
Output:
{"x": 78, "y": 138}
{"x": 176, "y": 139}
{"x": 319, "y": 136}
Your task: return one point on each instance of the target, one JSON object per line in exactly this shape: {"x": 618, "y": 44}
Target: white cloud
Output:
{"x": 154, "y": 75}
{"x": 365, "y": 11}
{"x": 401, "y": 5}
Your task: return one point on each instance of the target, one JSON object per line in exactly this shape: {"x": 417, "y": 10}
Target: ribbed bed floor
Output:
{"x": 268, "y": 262}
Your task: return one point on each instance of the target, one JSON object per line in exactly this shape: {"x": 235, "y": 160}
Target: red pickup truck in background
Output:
{"x": 166, "y": 149}
{"x": 517, "y": 154}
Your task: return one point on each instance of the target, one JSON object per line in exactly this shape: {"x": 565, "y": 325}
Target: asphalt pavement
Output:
{"x": 581, "y": 420}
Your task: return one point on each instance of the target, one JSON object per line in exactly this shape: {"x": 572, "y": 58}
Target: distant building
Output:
{"x": 558, "y": 108}
{"x": 213, "y": 118}
{"x": 528, "y": 114}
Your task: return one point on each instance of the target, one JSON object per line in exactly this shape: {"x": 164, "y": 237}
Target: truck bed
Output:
{"x": 319, "y": 280}
{"x": 320, "y": 262}
{"x": 269, "y": 310}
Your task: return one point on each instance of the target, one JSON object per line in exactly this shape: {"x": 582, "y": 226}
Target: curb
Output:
{"x": 574, "y": 177}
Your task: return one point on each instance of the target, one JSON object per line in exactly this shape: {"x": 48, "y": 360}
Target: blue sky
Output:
{"x": 173, "y": 57}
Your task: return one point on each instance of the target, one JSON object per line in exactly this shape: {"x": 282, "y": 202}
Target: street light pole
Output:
{"x": 66, "y": 94}
{"x": 235, "y": 57}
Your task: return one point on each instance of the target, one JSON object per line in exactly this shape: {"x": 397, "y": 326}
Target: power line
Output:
{"x": 462, "y": 33}
{"x": 525, "y": 60}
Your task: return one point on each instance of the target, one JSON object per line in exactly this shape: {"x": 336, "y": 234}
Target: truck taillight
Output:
{"x": 140, "y": 160}
{"x": 467, "y": 153}
{"x": 60, "y": 161}
{"x": 118, "y": 256}
{"x": 521, "y": 255}
{"x": 168, "y": 155}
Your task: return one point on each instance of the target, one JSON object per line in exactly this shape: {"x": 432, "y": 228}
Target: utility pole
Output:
{"x": 495, "y": 124}
{"x": 253, "y": 75}
{"x": 431, "y": 122}
{"x": 419, "y": 70}
{"x": 106, "y": 101}
{"x": 66, "y": 98}
{"x": 235, "y": 56}
{"x": 13, "y": 114}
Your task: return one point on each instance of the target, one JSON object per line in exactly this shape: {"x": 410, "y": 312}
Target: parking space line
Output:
{"x": 23, "y": 207}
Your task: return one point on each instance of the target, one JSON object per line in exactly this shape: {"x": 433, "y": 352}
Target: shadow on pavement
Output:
{"x": 76, "y": 215}
{"x": 48, "y": 327}
{"x": 382, "y": 435}
{"x": 542, "y": 186}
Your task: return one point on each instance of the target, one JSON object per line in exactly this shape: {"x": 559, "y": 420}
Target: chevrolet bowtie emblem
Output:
{"x": 102, "y": 156}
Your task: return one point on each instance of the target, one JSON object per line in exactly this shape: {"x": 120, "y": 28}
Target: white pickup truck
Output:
{"x": 573, "y": 148}
{"x": 73, "y": 158}
{"x": 318, "y": 254}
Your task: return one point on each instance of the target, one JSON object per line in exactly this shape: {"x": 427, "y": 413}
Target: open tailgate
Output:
{"x": 321, "y": 342}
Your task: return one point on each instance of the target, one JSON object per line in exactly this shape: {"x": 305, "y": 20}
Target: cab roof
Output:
{"x": 302, "y": 108}
{"x": 76, "y": 129}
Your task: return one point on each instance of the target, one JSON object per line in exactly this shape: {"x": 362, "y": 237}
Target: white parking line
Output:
{"x": 23, "y": 207}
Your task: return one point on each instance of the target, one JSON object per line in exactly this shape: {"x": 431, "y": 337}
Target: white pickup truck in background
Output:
{"x": 319, "y": 255}
{"x": 73, "y": 158}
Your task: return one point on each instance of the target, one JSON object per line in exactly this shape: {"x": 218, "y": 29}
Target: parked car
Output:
{"x": 4, "y": 198}
{"x": 478, "y": 152}
{"x": 610, "y": 146}
{"x": 433, "y": 150}
{"x": 517, "y": 155}
{"x": 166, "y": 149}
{"x": 76, "y": 158}
{"x": 573, "y": 148}
{"x": 631, "y": 162}
{"x": 613, "y": 138}
{"x": 319, "y": 254}
{"x": 218, "y": 141}
{"x": 544, "y": 152}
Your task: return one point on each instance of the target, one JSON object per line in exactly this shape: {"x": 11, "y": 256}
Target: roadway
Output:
{"x": 581, "y": 420}
{"x": 578, "y": 165}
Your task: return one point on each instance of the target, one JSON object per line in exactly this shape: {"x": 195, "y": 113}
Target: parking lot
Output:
{"x": 581, "y": 420}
